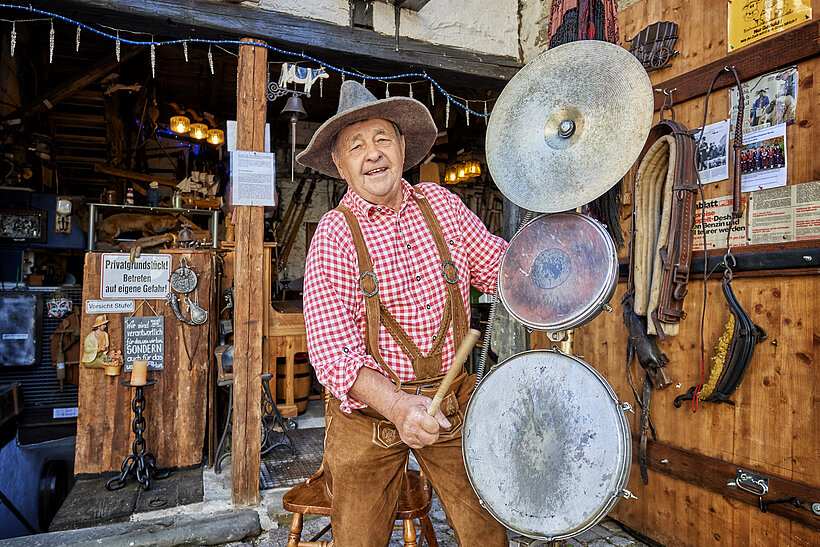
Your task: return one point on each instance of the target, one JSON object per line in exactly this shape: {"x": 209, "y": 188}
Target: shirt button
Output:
{"x": 345, "y": 350}
{"x": 428, "y": 306}
{"x": 434, "y": 337}
{"x": 418, "y": 278}
{"x": 409, "y": 246}
{"x": 451, "y": 242}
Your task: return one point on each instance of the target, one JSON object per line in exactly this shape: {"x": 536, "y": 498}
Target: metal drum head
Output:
{"x": 569, "y": 125}
{"x": 546, "y": 445}
{"x": 558, "y": 272}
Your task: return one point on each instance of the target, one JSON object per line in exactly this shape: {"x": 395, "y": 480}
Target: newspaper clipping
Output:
{"x": 790, "y": 213}
{"x": 717, "y": 214}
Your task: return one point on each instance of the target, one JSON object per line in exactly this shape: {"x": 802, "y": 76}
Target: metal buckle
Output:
{"x": 427, "y": 386}
{"x": 444, "y": 264}
{"x": 375, "y": 282}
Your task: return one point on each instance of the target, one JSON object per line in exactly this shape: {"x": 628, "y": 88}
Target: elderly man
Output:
{"x": 386, "y": 303}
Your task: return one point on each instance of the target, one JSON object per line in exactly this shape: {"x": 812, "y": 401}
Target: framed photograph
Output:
{"x": 23, "y": 226}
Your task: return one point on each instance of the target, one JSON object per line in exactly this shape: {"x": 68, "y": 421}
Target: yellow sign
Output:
{"x": 753, "y": 20}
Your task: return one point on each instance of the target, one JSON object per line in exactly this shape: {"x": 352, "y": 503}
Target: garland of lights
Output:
{"x": 460, "y": 102}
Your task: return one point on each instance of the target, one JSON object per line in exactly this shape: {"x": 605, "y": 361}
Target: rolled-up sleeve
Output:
{"x": 335, "y": 329}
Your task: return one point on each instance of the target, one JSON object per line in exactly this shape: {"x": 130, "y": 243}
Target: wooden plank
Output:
{"x": 66, "y": 89}
{"x": 324, "y": 40}
{"x": 791, "y": 46}
{"x": 248, "y": 288}
{"x": 175, "y": 407}
{"x": 133, "y": 175}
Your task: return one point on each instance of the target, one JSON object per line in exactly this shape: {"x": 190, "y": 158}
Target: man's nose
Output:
{"x": 372, "y": 152}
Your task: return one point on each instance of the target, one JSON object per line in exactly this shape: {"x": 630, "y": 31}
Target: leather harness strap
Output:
{"x": 376, "y": 313}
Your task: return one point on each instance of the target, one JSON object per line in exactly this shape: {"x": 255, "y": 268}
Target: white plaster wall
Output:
{"x": 488, "y": 26}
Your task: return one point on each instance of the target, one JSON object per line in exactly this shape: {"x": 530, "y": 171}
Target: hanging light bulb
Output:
{"x": 199, "y": 131}
{"x": 180, "y": 124}
{"x": 462, "y": 172}
{"x": 451, "y": 175}
{"x": 216, "y": 136}
{"x": 473, "y": 168}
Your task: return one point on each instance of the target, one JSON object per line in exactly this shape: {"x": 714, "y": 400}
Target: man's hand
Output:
{"x": 407, "y": 412}
{"x": 416, "y": 428}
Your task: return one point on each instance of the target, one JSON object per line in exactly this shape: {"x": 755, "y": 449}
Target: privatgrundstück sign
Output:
{"x": 147, "y": 276}
{"x": 144, "y": 339}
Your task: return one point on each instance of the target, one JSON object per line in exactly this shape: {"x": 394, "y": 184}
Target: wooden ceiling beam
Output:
{"x": 362, "y": 47}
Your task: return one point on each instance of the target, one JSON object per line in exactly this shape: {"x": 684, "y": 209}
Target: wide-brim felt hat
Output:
{"x": 357, "y": 104}
{"x": 100, "y": 320}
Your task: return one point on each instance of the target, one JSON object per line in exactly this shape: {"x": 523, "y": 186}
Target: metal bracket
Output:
{"x": 750, "y": 482}
{"x": 558, "y": 335}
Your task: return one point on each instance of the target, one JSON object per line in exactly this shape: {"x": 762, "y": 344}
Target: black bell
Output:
{"x": 294, "y": 109}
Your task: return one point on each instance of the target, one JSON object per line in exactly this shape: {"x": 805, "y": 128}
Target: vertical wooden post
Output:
{"x": 248, "y": 286}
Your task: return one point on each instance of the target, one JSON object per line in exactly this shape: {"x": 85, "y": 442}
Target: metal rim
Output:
{"x": 620, "y": 474}
{"x": 596, "y": 305}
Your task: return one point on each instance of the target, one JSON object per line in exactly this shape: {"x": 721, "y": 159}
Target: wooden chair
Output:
{"x": 311, "y": 498}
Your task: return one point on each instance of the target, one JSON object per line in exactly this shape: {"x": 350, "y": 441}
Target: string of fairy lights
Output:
{"x": 397, "y": 81}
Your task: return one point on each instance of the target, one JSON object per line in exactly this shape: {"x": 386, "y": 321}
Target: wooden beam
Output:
{"x": 713, "y": 474}
{"x": 133, "y": 175}
{"x": 248, "y": 287}
{"x": 66, "y": 89}
{"x": 791, "y": 46}
{"x": 207, "y": 19}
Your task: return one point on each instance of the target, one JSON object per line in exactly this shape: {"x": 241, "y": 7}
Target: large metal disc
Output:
{"x": 569, "y": 125}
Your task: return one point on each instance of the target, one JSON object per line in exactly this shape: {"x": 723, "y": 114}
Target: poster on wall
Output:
{"x": 253, "y": 178}
{"x": 763, "y": 159}
{"x": 713, "y": 152}
{"x": 753, "y": 20}
{"x": 769, "y": 99}
{"x": 790, "y": 213}
{"x": 144, "y": 339}
{"x": 717, "y": 214}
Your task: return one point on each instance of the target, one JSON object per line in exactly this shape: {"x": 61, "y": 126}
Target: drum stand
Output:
{"x": 524, "y": 541}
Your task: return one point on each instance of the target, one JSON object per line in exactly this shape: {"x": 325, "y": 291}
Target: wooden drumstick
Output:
{"x": 461, "y": 355}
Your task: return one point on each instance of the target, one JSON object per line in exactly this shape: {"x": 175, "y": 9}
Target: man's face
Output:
{"x": 370, "y": 156}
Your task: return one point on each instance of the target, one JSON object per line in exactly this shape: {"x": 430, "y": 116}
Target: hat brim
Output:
{"x": 410, "y": 115}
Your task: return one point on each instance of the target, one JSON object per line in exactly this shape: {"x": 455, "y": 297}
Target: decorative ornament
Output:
{"x": 467, "y": 110}
{"x": 411, "y": 91}
{"x": 364, "y": 83}
{"x": 58, "y": 306}
{"x": 77, "y": 40}
{"x": 485, "y": 113}
{"x": 447, "y": 114}
{"x": 654, "y": 46}
{"x": 343, "y": 77}
{"x": 153, "y": 59}
{"x": 432, "y": 95}
{"x": 185, "y": 50}
{"x": 211, "y": 60}
{"x": 13, "y": 37}
{"x": 321, "y": 87}
{"x": 117, "y": 47}
{"x": 387, "y": 90}
{"x": 51, "y": 43}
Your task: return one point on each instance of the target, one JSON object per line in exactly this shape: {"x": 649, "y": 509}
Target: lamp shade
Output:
{"x": 216, "y": 136}
{"x": 180, "y": 124}
{"x": 199, "y": 130}
{"x": 473, "y": 168}
{"x": 451, "y": 175}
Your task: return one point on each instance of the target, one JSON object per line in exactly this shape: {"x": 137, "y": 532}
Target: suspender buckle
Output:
{"x": 434, "y": 385}
{"x": 447, "y": 278}
{"x": 365, "y": 292}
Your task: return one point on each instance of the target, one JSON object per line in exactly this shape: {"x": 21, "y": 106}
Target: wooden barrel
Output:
{"x": 302, "y": 379}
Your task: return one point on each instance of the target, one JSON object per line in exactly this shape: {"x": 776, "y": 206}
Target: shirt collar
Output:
{"x": 358, "y": 204}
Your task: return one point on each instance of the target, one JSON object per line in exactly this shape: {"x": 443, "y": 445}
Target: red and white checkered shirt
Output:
{"x": 411, "y": 285}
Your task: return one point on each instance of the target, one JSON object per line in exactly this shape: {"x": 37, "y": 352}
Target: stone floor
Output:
{"x": 606, "y": 533}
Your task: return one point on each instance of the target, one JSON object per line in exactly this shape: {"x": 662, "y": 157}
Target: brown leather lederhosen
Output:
{"x": 426, "y": 367}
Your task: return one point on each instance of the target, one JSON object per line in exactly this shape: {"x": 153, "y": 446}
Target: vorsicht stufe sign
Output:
{"x": 146, "y": 277}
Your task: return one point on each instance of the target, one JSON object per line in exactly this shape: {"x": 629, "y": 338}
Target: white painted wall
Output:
{"x": 488, "y": 27}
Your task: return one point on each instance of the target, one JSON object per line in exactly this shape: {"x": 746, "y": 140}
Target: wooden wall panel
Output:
{"x": 176, "y": 407}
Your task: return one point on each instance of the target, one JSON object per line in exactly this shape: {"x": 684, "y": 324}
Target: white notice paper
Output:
{"x": 713, "y": 152}
{"x": 253, "y": 178}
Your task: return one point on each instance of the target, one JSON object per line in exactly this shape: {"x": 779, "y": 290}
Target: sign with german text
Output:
{"x": 717, "y": 214}
{"x": 753, "y": 20}
{"x": 144, "y": 339}
{"x": 147, "y": 277}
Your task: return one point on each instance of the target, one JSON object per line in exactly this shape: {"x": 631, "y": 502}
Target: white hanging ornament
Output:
{"x": 447, "y": 114}
{"x": 485, "y": 113}
{"x": 211, "y": 60}
{"x": 51, "y": 43}
{"x": 387, "y": 90}
{"x": 321, "y": 87}
{"x": 343, "y": 78}
{"x": 77, "y": 40}
{"x": 411, "y": 91}
{"x": 467, "y": 110}
{"x": 13, "y": 38}
{"x": 153, "y": 58}
{"x": 364, "y": 83}
{"x": 117, "y": 47}
{"x": 185, "y": 50}
{"x": 432, "y": 95}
